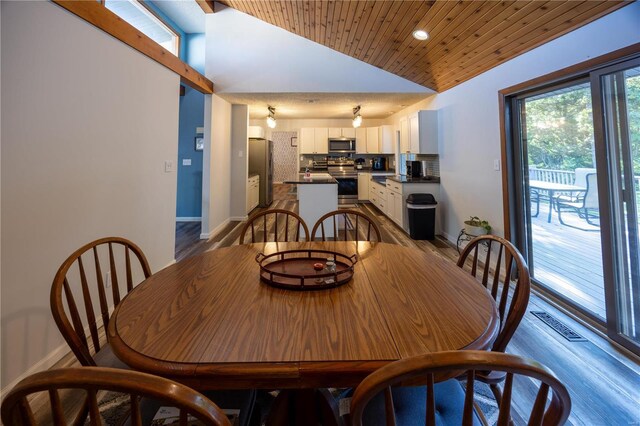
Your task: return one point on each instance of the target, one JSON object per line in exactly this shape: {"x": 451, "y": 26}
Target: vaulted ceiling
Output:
{"x": 466, "y": 38}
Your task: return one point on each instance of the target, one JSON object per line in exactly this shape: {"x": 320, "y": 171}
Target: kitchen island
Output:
{"x": 317, "y": 196}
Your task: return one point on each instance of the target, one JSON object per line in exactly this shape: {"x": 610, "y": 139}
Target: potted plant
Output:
{"x": 476, "y": 226}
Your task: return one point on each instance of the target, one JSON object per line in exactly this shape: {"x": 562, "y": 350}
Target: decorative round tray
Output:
{"x": 305, "y": 269}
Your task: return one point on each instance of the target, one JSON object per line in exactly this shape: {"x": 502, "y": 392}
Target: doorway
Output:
{"x": 190, "y": 161}
{"x": 573, "y": 156}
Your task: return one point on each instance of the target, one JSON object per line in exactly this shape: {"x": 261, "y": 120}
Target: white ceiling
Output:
{"x": 324, "y": 105}
{"x": 185, "y": 13}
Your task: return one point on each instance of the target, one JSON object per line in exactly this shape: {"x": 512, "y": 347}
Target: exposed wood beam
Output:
{"x": 206, "y": 5}
{"x": 101, "y": 17}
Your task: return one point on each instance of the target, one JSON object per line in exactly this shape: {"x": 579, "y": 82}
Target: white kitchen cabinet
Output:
{"x": 363, "y": 186}
{"x": 314, "y": 140}
{"x": 361, "y": 140}
{"x": 307, "y": 140}
{"x": 253, "y": 193}
{"x": 414, "y": 133}
{"x": 378, "y": 195}
{"x": 342, "y": 132}
{"x": 372, "y": 140}
{"x": 321, "y": 140}
{"x": 419, "y": 133}
{"x": 348, "y": 132}
{"x": 335, "y": 132}
{"x": 404, "y": 135}
{"x": 395, "y": 202}
{"x": 386, "y": 139}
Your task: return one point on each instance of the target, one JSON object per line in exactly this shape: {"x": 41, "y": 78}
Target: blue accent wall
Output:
{"x": 189, "y": 203}
{"x": 174, "y": 26}
{"x": 194, "y": 52}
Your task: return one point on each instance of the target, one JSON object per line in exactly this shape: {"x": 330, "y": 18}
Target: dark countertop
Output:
{"x": 407, "y": 179}
{"x": 370, "y": 170}
{"x": 324, "y": 179}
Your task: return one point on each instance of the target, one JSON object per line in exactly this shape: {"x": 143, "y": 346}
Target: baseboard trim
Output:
{"x": 209, "y": 235}
{"x": 44, "y": 364}
{"x": 188, "y": 219}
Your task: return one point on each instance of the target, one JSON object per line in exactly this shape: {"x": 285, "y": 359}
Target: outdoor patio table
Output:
{"x": 551, "y": 188}
{"x": 208, "y": 321}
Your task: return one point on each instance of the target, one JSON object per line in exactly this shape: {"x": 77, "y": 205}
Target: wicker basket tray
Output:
{"x": 297, "y": 269}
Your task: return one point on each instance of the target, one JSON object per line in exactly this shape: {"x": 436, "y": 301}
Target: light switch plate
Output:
{"x": 496, "y": 165}
{"x": 186, "y": 161}
{"x": 169, "y": 166}
{"x": 240, "y": 154}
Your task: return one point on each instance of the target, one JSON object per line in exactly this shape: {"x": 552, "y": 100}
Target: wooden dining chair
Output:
{"x": 504, "y": 273}
{"x": 347, "y": 225}
{"x": 77, "y": 283}
{"x": 387, "y": 396}
{"x": 141, "y": 389}
{"x": 275, "y": 225}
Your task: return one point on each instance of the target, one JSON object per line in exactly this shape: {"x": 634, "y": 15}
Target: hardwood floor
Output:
{"x": 602, "y": 380}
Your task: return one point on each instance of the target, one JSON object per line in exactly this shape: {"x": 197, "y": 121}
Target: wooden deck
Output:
{"x": 568, "y": 259}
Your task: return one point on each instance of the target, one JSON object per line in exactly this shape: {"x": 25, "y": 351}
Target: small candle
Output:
{"x": 318, "y": 266}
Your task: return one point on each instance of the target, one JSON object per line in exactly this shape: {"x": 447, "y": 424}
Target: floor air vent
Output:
{"x": 559, "y": 327}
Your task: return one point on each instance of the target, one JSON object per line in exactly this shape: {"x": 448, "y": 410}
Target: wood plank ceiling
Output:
{"x": 466, "y": 38}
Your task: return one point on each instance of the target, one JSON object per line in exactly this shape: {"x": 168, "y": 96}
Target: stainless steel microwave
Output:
{"x": 342, "y": 145}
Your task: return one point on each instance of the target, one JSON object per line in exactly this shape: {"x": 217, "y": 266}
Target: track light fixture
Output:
{"x": 271, "y": 119}
{"x": 357, "y": 118}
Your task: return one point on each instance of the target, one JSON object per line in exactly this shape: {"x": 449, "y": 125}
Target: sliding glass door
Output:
{"x": 616, "y": 98}
{"x": 575, "y": 186}
{"x": 563, "y": 228}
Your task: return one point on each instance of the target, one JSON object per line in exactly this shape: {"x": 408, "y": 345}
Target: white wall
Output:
{"x": 239, "y": 160}
{"x": 470, "y": 126}
{"x": 245, "y": 54}
{"x": 87, "y": 124}
{"x": 216, "y": 168}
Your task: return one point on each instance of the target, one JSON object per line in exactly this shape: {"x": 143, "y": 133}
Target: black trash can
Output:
{"x": 422, "y": 216}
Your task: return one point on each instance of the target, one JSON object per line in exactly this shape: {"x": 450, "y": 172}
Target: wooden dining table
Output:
{"x": 209, "y": 322}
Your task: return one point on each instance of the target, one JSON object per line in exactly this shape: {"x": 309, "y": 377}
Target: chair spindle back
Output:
{"x": 62, "y": 291}
{"x": 347, "y": 225}
{"x": 275, "y": 225}
{"x": 427, "y": 368}
{"x": 496, "y": 276}
{"x": 16, "y": 409}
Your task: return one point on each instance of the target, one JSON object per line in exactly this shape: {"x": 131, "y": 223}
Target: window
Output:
{"x": 146, "y": 22}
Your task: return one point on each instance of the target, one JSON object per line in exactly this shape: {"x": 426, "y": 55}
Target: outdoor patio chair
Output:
{"x": 580, "y": 179}
{"x": 589, "y": 202}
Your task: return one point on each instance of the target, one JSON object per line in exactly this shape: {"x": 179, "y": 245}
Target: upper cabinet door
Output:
{"x": 348, "y": 132}
{"x": 386, "y": 139}
{"x": 428, "y": 132}
{"x": 321, "y": 140}
{"x": 372, "y": 140}
{"x": 361, "y": 140}
{"x": 404, "y": 135}
{"x": 414, "y": 134}
{"x": 335, "y": 132}
{"x": 307, "y": 141}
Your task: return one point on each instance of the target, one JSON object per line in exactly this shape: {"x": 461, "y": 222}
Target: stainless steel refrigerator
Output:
{"x": 261, "y": 162}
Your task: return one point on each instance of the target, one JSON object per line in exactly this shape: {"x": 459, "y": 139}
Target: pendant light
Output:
{"x": 271, "y": 119}
{"x": 357, "y": 118}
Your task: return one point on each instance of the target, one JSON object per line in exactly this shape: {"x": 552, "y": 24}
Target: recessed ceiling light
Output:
{"x": 420, "y": 35}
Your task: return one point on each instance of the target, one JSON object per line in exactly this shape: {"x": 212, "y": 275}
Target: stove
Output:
{"x": 342, "y": 169}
